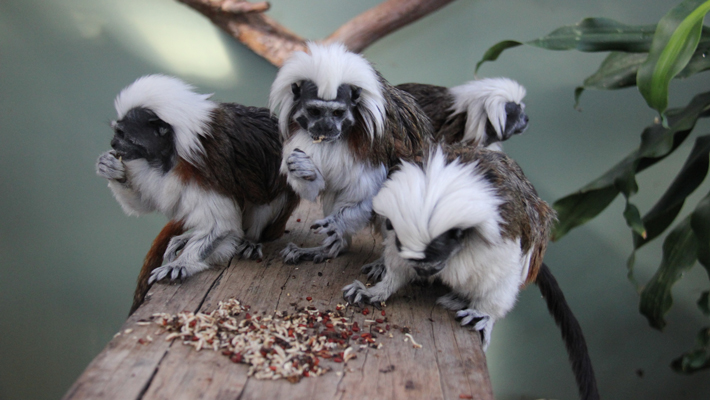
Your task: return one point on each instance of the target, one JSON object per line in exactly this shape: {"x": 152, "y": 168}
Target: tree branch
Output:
{"x": 271, "y": 40}
{"x": 379, "y": 21}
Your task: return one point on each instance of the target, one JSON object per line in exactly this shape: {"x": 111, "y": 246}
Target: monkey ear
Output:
{"x": 296, "y": 91}
{"x": 355, "y": 93}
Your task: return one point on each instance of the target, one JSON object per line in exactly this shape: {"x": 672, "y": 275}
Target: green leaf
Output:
{"x": 633, "y": 219}
{"x": 701, "y": 58}
{"x": 493, "y": 52}
{"x": 618, "y": 70}
{"x": 590, "y": 34}
{"x": 656, "y": 144}
{"x": 669, "y": 205}
{"x": 700, "y": 222}
{"x": 704, "y": 303}
{"x": 679, "y": 254}
{"x": 697, "y": 359}
{"x": 674, "y": 43}
{"x": 598, "y": 34}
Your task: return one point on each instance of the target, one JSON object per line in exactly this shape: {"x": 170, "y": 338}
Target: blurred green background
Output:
{"x": 69, "y": 256}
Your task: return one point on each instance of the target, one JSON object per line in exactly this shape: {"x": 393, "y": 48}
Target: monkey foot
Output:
{"x": 452, "y": 301}
{"x": 250, "y": 250}
{"x": 357, "y": 293}
{"x": 375, "y": 270}
{"x": 293, "y": 254}
{"x": 172, "y": 271}
{"x": 483, "y": 323}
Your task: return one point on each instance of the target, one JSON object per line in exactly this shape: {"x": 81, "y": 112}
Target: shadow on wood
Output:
{"x": 449, "y": 365}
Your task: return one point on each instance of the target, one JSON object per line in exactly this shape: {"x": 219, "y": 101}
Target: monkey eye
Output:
{"x": 313, "y": 111}
{"x": 162, "y": 131}
{"x": 339, "y": 113}
{"x": 388, "y": 225}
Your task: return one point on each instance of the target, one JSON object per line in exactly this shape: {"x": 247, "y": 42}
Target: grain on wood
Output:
{"x": 449, "y": 365}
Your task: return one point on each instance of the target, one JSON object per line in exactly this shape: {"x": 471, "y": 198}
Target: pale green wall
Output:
{"x": 69, "y": 256}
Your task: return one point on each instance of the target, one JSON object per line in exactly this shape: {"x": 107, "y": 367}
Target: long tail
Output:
{"x": 154, "y": 259}
{"x": 571, "y": 334}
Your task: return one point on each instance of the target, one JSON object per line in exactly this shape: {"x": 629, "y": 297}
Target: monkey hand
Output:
{"x": 250, "y": 250}
{"x": 329, "y": 226}
{"x": 176, "y": 244}
{"x": 301, "y": 165}
{"x": 303, "y": 175}
{"x": 110, "y": 167}
{"x": 478, "y": 321}
{"x": 375, "y": 270}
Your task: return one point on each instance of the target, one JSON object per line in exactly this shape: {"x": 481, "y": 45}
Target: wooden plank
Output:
{"x": 450, "y": 364}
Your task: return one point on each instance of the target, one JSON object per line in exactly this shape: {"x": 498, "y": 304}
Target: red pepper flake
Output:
{"x": 329, "y": 325}
{"x": 195, "y": 338}
{"x": 236, "y": 358}
{"x": 465, "y": 396}
{"x": 309, "y": 298}
{"x": 305, "y": 373}
{"x": 383, "y": 313}
{"x": 227, "y": 353}
{"x": 354, "y": 337}
{"x": 379, "y": 320}
{"x": 262, "y": 326}
{"x": 387, "y": 327}
{"x": 273, "y": 368}
{"x": 193, "y": 323}
{"x": 290, "y": 332}
{"x": 142, "y": 341}
{"x": 365, "y": 311}
{"x": 248, "y": 316}
{"x": 337, "y": 359}
{"x": 366, "y": 335}
{"x": 298, "y": 220}
{"x": 355, "y": 329}
{"x": 258, "y": 318}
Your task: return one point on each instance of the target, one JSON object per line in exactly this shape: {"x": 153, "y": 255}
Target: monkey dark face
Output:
{"x": 437, "y": 252}
{"x": 516, "y": 122}
{"x": 325, "y": 120}
{"x": 142, "y": 134}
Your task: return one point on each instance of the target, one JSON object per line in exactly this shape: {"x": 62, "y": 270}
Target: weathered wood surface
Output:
{"x": 450, "y": 365}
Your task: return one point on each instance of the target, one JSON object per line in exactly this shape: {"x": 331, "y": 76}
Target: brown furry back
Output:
{"x": 407, "y": 132}
{"x": 436, "y": 102}
{"x": 154, "y": 259}
{"x": 520, "y": 199}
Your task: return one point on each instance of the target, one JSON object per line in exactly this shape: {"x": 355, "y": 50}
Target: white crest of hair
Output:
{"x": 423, "y": 203}
{"x": 485, "y": 100}
{"x": 176, "y": 103}
{"x": 330, "y": 66}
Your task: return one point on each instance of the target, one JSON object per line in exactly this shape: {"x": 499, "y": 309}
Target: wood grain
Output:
{"x": 450, "y": 364}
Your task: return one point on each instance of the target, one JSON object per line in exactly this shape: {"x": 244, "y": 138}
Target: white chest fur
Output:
{"x": 344, "y": 178}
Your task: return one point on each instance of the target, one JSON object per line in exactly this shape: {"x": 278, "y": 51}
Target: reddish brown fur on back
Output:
{"x": 154, "y": 259}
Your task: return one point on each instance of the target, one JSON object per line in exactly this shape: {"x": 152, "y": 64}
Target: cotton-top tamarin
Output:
{"x": 482, "y": 112}
{"x": 211, "y": 168}
{"x": 344, "y": 126}
{"x": 470, "y": 218}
